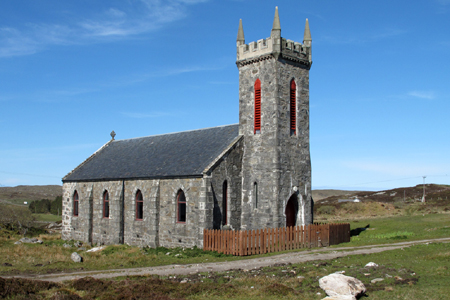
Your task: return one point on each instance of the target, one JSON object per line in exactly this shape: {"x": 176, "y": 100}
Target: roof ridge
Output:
{"x": 136, "y": 138}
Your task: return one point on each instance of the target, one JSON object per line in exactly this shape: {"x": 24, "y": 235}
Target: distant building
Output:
{"x": 164, "y": 190}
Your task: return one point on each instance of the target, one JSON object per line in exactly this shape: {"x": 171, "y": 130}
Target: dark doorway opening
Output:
{"x": 291, "y": 211}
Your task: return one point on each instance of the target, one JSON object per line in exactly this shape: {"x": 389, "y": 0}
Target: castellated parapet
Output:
{"x": 274, "y": 46}
{"x": 262, "y": 49}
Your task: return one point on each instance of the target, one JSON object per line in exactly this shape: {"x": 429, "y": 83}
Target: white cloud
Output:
{"x": 132, "y": 18}
{"x": 422, "y": 94}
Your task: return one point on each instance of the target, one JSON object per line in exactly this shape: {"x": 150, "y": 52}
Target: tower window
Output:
{"x": 255, "y": 193}
{"x": 224, "y": 202}
{"x": 257, "y": 126}
{"x": 181, "y": 207}
{"x": 75, "y": 204}
{"x": 106, "y": 204}
{"x": 292, "y": 107}
{"x": 139, "y": 206}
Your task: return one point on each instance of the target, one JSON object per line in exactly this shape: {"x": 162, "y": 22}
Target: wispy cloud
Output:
{"x": 130, "y": 19}
{"x": 147, "y": 115}
{"x": 367, "y": 38}
{"x": 391, "y": 169}
{"x": 422, "y": 94}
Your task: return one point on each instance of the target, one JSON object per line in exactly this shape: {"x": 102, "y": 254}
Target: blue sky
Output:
{"x": 73, "y": 71}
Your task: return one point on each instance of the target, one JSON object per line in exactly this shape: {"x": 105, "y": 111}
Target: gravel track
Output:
{"x": 246, "y": 264}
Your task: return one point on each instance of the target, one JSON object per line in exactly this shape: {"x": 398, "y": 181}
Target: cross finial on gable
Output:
{"x": 113, "y": 134}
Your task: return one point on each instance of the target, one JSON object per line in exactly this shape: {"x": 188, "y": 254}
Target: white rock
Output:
{"x": 371, "y": 265}
{"x": 376, "y": 280}
{"x": 341, "y": 285}
{"x": 339, "y": 297}
{"x": 95, "y": 249}
{"x": 76, "y": 257}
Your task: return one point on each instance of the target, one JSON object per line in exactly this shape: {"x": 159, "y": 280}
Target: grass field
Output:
{"x": 47, "y": 217}
{"x": 422, "y": 271}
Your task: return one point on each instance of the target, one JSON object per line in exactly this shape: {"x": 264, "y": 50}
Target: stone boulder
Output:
{"x": 339, "y": 297}
{"x": 76, "y": 257}
{"x": 339, "y": 285}
{"x": 26, "y": 240}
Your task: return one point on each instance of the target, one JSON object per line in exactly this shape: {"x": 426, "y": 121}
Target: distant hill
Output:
{"x": 414, "y": 193}
{"x": 21, "y": 193}
{"x": 323, "y": 194}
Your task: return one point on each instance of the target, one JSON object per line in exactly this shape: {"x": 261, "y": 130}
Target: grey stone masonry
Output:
{"x": 276, "y": 163}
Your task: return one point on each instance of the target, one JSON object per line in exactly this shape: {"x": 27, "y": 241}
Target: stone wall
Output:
{"x": 277, "y": 161}
{"x": 159, "y": 226}
{"x": 229, "y": 169}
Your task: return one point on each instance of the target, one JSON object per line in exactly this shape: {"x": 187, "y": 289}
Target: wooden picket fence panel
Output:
{"x": 250, "y": 242}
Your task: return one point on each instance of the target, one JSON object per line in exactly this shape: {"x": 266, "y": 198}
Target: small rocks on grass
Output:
{"x": 26, "y": 240}
{"x": 371, "y": 265}
{"x": 376, "y": 280}
{"x": 76, "y": 257}
{"x": 95, "y": 249}
{"x": 67, "y": 245}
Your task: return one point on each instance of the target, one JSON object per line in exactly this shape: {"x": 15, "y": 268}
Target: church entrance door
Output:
{"x": 291, "y": 211}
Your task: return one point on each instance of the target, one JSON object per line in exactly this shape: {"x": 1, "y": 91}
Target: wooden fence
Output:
{"x": 249, "y": 242}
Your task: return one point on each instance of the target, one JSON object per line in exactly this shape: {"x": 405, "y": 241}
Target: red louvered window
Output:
{"x": 139, "y": 206}
{"x": 75, "y": 204}
{"x": 292, "y": 107}
{"x": 257, "y": 106}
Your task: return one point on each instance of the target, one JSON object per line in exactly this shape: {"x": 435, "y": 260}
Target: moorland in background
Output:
{"x": 392, "y": 216}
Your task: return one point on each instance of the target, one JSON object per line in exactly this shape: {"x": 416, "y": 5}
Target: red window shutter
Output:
{"x": 292, "y": 106}
{"x": 257, "y": 126}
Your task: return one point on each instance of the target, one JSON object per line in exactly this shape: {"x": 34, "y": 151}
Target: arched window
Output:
{"x": 255, "y": 193}
{"x": 257, "y": 126}
{"x": 75, "y": 204}
{"x": 106, "y": 204}
{"x": 181, "y": 207}
{"x": 224, "y": 202}
{"x": 139, "y": 206}
{"x": 292, "y": 107}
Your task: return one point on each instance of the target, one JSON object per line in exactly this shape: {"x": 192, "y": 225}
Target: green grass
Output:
{"x": 414, "y": 273}
{"x": 400, "y": 228}
{"x": 52, "y": 257}
{"x": 47, "y": 217}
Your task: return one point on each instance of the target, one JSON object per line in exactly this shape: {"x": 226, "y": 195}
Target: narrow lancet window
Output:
{"x": 255, "y": 193}
{"x": 181, "y": 207}
{"x": 293, "y": 101}
{"x": 106, "y": 204}
{"x": 139, "y": 206}
{"x": 257, "y": 126}
{"x": 75, "y": 204}
{"x": 224, "y": 202}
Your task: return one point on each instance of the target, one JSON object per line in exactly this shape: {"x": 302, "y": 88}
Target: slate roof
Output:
{"x": 181, "y": 154}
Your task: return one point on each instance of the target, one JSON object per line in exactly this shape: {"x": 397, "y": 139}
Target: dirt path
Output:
{"x": 247, "y": 264}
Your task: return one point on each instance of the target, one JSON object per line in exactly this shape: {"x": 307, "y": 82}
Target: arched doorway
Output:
{"x": 291, "y": 211}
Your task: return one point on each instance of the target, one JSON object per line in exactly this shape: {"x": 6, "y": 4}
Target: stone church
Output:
{"x": 164, "y": 190}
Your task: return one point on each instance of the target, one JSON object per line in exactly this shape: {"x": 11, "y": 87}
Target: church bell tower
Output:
{"x": 274, "y": 120}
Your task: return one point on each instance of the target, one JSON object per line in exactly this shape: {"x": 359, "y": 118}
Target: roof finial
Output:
{"x": 113, "y": 134}
{"x": 276, "y": 21}
{"x": 240, "y": 37}
{"x": 307, "y": 35}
